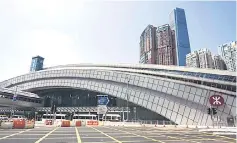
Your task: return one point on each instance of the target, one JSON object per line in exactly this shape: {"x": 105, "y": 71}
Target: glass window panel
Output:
{"x": 166, "y": 83}
{"x": 202, "y": 100}
{"x": 161, "y": 100}
{"x": 171, "y": 85}
{"x": 171, "y": 105}
{"x": 181, "y": 109}
{"x": 191, "y": 97}
{"x": 161, "y": 82}
{"x": 233, "y": 111}
{"x": 176, "y": 107}
{"x": 173, "y": 116}
{"x": 151, "y": 80}
{"x": 192, "y": 114}
{"x": 184, "y": 120}
{"x": 151, "y": 99}
{"x": 140, "y": 101}
{"x": 156, "y": 99}
{"x": 178, "y": 119}
{"x": 158, "y": 109}
{"x": 185, "y": 95}
{"x": 149, "y": 105}
{"x": 181, "y": 87}
{"x": 159, "y": 88}
{"x": 176, "y": 86}
{"x": 149, "y": 85}
{"x": 169, "y": 91}
{"x": 180, "y": 94}
{"x": 164, "y": 89}
{"x": 163, "y": 111}
{"x": 154, "y": 106}
{"x": 187, "y": 89}
{"x": 154, "y": 86}
{"x": 166, "y": 103}
{"x": 144, "y": 103}
{"x": 193, "y": 90}
{"x": 186, "y": 111}
{"x": 156, "y": 82}
{"x": 230, "y": 100}
{"x": 168, "y": 114}
{"x": 234, "y": 102}
{"x": 175, "y": 92}
{"x": 196, "y": 98}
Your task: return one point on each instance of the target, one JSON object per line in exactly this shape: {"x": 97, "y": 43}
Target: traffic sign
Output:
{"x": 216, "y": 100}
{"x": 103, "y": 100}
{"x": 102, "y": 109}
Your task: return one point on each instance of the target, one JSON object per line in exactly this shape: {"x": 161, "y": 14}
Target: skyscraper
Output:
{"x": 148, "y": 45}
{"x": 192, "y": 60}
{"x": 205, "y": 58}
{"x": 218, "y": 62}
{"x": 166, "y": 54}
{"x": 178, "y": 23}
{"x": 37, "y": 63}
{"x": 228, "y": 54}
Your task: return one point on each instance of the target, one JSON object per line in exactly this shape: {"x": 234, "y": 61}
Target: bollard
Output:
{"x": 78, "y": 123}
{"x": 19, "y": 124}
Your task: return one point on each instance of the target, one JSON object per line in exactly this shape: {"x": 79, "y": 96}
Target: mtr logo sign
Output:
{"x": 216, "y": 100}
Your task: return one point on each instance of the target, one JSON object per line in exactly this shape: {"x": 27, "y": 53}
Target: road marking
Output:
{"x": 136, "y": 135}
{"x": 106, "y": 135}
{"x": 38, "y": 141}
{"x": 14, "y": 134}
{"x": 205, "y": 133}
{"x": 78, "y": 135}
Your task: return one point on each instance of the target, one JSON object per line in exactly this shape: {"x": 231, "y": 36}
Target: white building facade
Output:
{"x": 205, "y": 58}
{"x": 218, "y": 62}
{"x": 192, "y": 60}
{"x": 228, "y": 53}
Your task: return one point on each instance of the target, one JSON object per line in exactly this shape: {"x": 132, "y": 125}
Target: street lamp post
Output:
{"x": 127, "y": 96}
{"x": 14, "y": 96}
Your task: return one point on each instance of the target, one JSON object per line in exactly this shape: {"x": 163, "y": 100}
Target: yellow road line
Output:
{"x": 78, "y": 135}
{"x": 137, "y": 135}
{"x": 106, "y": 135}
{"x": 14, "y": 134}
{"x": 38, "y": 141}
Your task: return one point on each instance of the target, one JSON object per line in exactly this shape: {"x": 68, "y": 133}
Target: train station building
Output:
{"x": 147, "y": 92}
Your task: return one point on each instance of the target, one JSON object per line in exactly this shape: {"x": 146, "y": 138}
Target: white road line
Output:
{"x": 38, "y": 141}
{"x": 14, "y": 134}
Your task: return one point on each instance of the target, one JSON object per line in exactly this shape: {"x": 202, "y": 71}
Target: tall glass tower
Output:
{"x": 179, "y": 25}
{"x": 37, "y": 63}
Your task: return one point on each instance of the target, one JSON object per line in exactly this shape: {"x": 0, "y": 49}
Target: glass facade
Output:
{"x": 37, "y": 63}
{"x": 179, "y": 24}
{"x": 147, "y": 45}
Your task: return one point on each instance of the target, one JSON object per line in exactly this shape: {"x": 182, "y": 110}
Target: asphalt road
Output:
{"x": 110, "y": 135}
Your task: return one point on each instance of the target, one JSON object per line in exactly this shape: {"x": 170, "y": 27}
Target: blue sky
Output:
{"x": 99, "y": 32}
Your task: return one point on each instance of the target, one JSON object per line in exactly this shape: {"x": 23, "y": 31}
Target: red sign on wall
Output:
{"x": 216, "y": 100}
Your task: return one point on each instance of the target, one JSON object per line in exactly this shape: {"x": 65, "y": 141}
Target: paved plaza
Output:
{"x": 110, "y": 134}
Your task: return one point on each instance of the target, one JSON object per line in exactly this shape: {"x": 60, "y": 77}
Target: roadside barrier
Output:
{"x": 78, "y": 123}
{"x": 29, "y": 124}
{"x": 65, "y": 123}
{"x": 95, "y": 123}
{"x": 48, "y": 122}
{"x": 92, "y": 123}
{"x": 89, "y": 123}
{"x": 19, "y": 124}
{"x": 6, "y": 125}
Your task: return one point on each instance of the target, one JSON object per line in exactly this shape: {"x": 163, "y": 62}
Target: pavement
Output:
{"x": 110, "y": 134}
